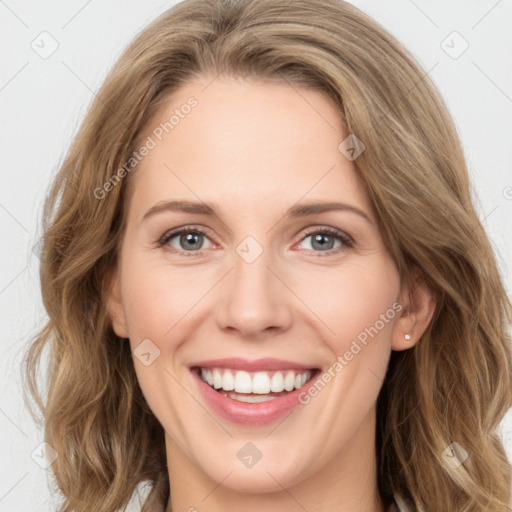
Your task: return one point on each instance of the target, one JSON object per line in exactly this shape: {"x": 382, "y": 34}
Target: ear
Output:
{"x": 419, "y": 304}
{"x": 114, "y": 304}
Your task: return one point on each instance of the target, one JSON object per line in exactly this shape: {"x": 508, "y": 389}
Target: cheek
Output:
{"x": 158, "y": 296}
{"x": 354, "y": 301}
{"x": 157, "y": 302}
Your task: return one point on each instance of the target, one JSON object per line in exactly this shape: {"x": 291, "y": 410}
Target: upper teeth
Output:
{"x": 259, "y": 382}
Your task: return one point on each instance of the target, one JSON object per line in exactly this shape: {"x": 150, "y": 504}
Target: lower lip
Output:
{"x": 250, "y": 414}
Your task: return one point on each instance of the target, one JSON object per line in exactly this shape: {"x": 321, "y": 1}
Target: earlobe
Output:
{"x": 114, "y": 304}
{"x": 419, "y": 305}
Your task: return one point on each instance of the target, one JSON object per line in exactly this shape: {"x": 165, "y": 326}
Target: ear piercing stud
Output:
{"x": 407, "y": 336}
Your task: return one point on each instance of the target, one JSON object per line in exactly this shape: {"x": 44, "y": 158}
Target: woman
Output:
{"x": 266, "y": 283}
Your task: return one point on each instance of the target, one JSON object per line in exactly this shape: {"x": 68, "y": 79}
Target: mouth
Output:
{"x": 254, "y": 387}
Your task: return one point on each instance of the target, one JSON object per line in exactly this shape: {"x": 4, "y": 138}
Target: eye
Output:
{"x": 189, "y": 239}
{"x": 325, "y": 239}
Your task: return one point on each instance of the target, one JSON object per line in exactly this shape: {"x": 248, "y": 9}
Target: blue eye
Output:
{"x": 323, "y": 240}
{"x": 190, "y": 241}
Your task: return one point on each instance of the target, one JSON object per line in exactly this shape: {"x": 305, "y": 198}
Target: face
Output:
{"x": 248, "y": 272}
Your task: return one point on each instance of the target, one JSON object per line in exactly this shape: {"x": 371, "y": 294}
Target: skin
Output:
{"x": 248, "y": 144}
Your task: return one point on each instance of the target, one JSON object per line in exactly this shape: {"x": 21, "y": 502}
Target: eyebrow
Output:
{"x": 296, "y": 211}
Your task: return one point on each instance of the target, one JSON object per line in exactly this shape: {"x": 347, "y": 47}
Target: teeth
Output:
{"x": 277, "y": 382}
{"x": 243, "y": 382}
{"x": 228, "y": 381}
{"x": 217, "y": 379}
{"x": 260, "y": 383}
{"x": 289, "y": 381}
{"x": 208, "y": 377}
{"x": 250, "y": 399}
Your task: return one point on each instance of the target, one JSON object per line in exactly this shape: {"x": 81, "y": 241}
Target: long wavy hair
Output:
{"x": 454, "y": 385}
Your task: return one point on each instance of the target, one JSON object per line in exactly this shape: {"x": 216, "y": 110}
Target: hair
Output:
{"x": 454, "y": 385}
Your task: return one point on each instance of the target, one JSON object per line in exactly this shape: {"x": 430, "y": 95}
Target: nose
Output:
{"x": 254, "y": 299}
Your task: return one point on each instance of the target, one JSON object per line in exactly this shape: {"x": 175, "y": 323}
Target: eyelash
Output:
{"x": 346, "y": 241}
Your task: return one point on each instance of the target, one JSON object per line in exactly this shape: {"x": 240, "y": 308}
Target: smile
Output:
{"x": 252, "y": 398}
{"x": 265, "y": 384}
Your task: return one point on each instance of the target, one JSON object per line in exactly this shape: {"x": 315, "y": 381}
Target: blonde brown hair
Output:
{"x": 455, "y": 385}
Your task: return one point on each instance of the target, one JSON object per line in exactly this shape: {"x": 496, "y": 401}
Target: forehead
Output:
{"x": 245, "y": 143}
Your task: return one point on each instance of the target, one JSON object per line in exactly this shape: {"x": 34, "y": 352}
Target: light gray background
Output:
{"x": 43, "y": 100}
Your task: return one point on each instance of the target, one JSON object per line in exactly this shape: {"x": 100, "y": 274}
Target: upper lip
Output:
{"x": 265, "y": 364}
